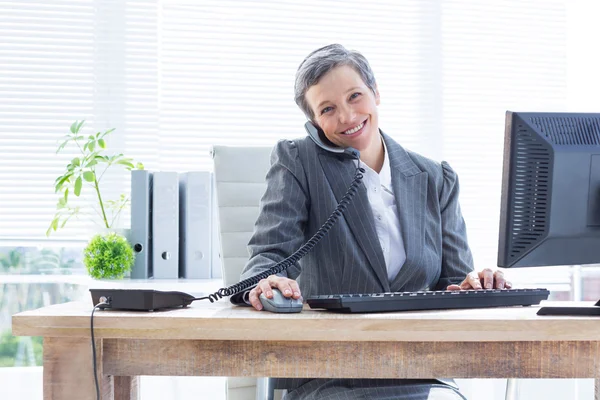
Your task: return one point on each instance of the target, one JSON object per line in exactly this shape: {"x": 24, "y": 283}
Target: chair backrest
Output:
{"x": 240, "y": 183}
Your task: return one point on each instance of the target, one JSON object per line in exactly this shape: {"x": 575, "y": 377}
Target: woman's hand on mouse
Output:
{"x": 288, "y": 287}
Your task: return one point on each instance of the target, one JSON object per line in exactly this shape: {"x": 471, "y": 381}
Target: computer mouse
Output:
{"x": 279, "y": 303}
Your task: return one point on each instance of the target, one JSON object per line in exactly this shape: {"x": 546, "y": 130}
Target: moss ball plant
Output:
{"x": 108, "y": 256}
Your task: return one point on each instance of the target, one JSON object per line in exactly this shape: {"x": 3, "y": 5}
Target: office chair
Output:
{"x": 240, "y": 183}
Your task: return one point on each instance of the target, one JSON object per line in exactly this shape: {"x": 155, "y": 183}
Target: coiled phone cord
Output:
{"x": 298, "y": 254}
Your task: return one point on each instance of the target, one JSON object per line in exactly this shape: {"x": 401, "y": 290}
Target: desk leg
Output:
{"x": 68, "y": 370}
{"x": 127, "y": 387}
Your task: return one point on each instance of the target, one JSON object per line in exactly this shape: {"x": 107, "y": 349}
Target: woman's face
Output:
{"x": 345, "y": 109}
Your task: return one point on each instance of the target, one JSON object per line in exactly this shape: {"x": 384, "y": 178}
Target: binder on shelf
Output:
{"x": 165, "y": 225}
{"x": 141, "y": 223}
{"x": 195, "y": 221}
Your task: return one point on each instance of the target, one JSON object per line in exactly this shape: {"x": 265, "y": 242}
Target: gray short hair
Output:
{"x": 323, "y": 60}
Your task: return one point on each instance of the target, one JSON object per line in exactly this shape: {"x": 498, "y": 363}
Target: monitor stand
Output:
{"x": 572, "y": 311}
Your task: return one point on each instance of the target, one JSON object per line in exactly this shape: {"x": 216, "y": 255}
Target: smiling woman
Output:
{"x": 404, "y": 230}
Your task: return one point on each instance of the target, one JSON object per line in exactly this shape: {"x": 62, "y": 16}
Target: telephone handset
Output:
{"x": 319, "y": 138}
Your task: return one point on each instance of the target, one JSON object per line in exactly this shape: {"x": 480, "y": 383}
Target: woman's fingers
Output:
{"x": 487, "y": 278}
{"x": 471, "y": 281}
{"x": 282, "y": 284}
{"x": 288, "y": 287}
{"x": 265, "y": 286}
{"x": 253, "y": 298}
{"x": 295, "y": 289}
{"x": 499, "y": 281}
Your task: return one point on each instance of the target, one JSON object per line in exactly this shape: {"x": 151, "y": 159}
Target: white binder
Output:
{"x": 195, "y": 222}
{"x": 165, "y": 225}
{"x": 141, "y": 223}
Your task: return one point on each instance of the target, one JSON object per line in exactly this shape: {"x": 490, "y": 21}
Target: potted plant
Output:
{"x": 107, "y": 255}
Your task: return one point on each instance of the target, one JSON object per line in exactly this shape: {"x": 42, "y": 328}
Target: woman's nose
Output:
{"x": 346, "y": 115}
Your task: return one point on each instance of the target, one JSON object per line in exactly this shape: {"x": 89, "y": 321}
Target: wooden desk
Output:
{"x": 221, "y": 340}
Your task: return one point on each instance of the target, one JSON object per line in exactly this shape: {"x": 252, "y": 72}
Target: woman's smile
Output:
{"x": 355, "y": 131}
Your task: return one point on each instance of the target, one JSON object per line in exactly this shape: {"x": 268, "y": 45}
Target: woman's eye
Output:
{"x": 354, "y": 95}
{"x": 325, "y": 110}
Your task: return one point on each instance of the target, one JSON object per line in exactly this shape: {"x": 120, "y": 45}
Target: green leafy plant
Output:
{"x": 87, "y": 170}
{"x": 108, "y": 256}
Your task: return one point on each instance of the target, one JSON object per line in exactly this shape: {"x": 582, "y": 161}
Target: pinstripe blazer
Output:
{"x": 305, "y": 184}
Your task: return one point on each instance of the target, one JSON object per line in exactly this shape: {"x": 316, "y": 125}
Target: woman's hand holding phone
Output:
{"x": 288, "y": 287}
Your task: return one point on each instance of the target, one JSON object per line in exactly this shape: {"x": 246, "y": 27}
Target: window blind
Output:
{"x": 175, "y": 77}
{"x": 47, "y": 79}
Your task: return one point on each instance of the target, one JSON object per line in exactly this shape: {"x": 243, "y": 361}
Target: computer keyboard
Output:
{"x": 427, "y": 300}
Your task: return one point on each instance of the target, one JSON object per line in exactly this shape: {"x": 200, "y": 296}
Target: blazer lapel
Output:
{"x": 410, "y": 189}
{"x": 358, "y": 214}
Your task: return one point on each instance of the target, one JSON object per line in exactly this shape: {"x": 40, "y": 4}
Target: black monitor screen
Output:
{"x": 550, "y": 207}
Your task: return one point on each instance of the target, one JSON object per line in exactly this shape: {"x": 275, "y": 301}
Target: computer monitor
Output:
{"x": 550, "y": 206}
